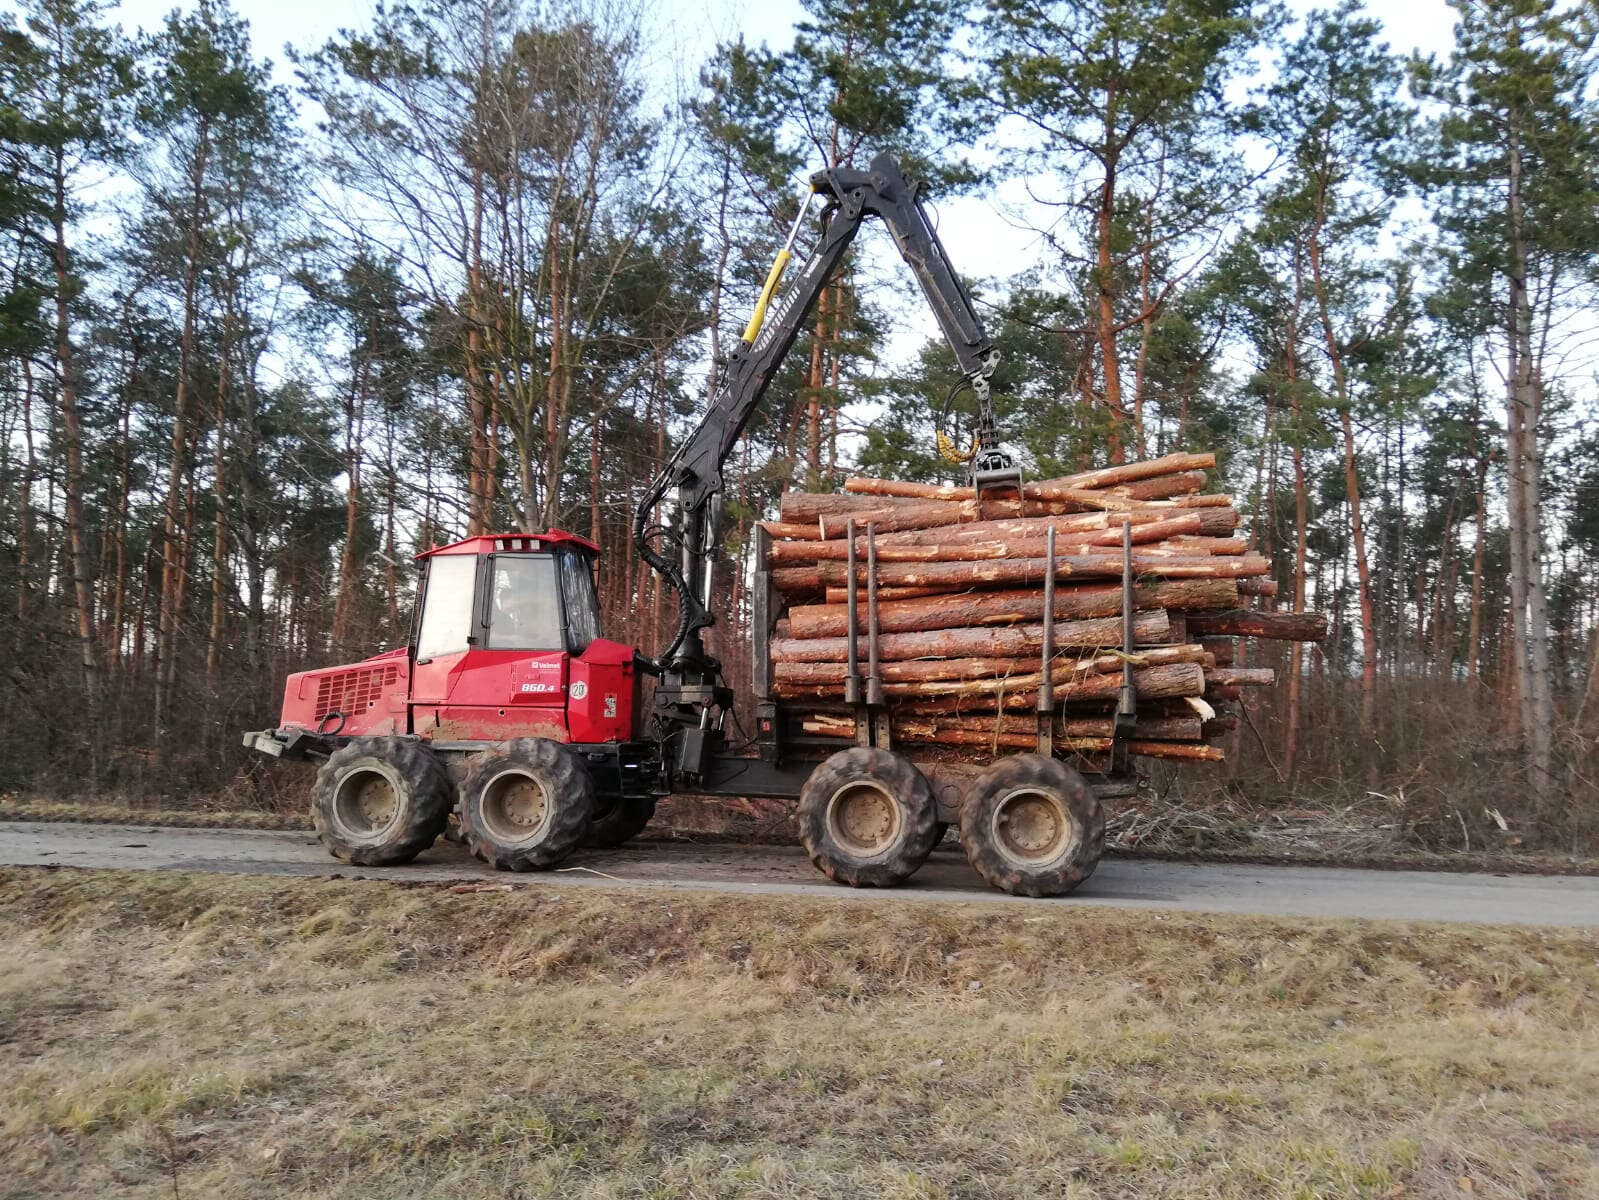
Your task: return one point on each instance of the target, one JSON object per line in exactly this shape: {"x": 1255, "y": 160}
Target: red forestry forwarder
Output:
{"x": 509, "y": 706}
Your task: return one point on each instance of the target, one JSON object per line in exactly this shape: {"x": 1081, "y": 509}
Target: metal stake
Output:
{"x": 1046, "y": 670}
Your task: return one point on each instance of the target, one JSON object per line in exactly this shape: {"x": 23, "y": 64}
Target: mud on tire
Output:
{"x": 622, "y": 821}
{"x": 526, "y": 804}
{"x": 381, "y": 801}
{"x": 868, "y": 818}
{"x": 1031, "y": 826}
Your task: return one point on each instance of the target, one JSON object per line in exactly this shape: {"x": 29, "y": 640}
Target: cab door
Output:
{"x": 448, "y": 629}
{"x": 510, "y": 679}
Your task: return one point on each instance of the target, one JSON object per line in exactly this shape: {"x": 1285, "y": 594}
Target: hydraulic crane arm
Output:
{"x": 695, "y": 471}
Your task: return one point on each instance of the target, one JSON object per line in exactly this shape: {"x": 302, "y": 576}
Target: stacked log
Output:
{"x": 960, "y": 609}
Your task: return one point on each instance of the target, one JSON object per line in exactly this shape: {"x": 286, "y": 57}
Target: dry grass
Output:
{"x": 228, "y": 1036}
{"x": 39, "y": 808}
{"x": 1369, "y": 831}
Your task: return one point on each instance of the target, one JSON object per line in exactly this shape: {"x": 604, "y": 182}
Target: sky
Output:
{"x": 987, "y": 235}
{"x": 687, "y": 31}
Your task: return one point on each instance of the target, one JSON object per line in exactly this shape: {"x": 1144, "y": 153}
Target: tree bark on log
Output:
{"x": 994, "y": 641}
{"x": 1191, "y": 751}
{"x": 840, "y": 595}
{"x": 1242, "y": 676}
{"x": 1211, "y": 545}
{"x": 1176, "y": 680}
{"x": 1279, "y": 626}
{"x": 1257, "y": 587}
{"x": 807, "y": 508}
{"x": 1012, "y": 607}
{"x": 1104, "y": 477}
{"x": 831, "y": 671}
{"x": 806, "y": 530}
{"x": 910, "y": 516}
{"x": 1069, "y": 525}
{"x": 990, "y": 572}
{"x": 927, "y": 546}
{"x": 1155, "y": 729}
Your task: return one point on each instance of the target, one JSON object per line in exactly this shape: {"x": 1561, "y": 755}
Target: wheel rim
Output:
{"x": 1032, "y": 827}
{"x": 516, "y": 807}
{"x": 863, "y": 818}
{"x": 367, "y": 802}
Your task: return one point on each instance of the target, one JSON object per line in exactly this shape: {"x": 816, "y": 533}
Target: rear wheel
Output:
{"x": 378, "y": 802}
{"x": 525, "y": 805}
{"x": 622, "y": 821}
{"x": 868, "y": 818}
{"x": 1031, "y": 826}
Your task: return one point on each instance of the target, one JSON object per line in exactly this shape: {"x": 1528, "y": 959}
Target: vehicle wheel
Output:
{"x": 1031, "y": 826}
{"x": 623, "y": 821}
{"x": 378, "y": 802}
{"x": 867, "y": 818}
{"x": 525, "y": 805}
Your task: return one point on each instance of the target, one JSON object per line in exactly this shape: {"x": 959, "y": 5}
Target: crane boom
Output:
{"x": 688, "y": 688}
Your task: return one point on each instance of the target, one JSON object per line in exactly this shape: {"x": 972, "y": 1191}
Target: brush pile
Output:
{"x": 961, "y": 609}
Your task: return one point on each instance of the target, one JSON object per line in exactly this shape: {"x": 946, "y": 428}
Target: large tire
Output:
{"x": 868, "y": 818}
{"x": 623, "y": 821}
{"x": 1030, "y": 826}
{"x": 381, "y": 801}
{"x": 525, "y": 805}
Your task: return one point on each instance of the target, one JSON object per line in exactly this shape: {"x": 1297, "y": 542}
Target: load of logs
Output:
{"x": 971, "y": 595}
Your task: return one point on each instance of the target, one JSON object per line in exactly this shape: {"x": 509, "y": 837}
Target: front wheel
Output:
{"x": 868, "y": 818}
{"x": 1031, "y": 826}
{"x": 526, "y": 804}
{"x": 379, "y": 802}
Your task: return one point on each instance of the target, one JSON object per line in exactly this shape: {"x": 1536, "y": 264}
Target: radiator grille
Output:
{"x": 353, "y": 692}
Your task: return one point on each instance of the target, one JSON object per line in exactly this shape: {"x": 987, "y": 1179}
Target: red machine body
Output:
{"x": 505, "y": 645}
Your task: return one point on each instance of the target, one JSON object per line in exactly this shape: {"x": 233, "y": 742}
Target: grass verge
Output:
{"x": 231, "y": 1036}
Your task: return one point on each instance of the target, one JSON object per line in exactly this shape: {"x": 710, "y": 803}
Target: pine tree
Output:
{"x": 1122, "y": 104}
{"x": 1336, "y": 115}
{"x": 1517, "y": 163}
{"x": 70, "y": 80}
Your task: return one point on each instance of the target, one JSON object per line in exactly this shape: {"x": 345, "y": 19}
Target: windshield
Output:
{"x": 525, "y": 610}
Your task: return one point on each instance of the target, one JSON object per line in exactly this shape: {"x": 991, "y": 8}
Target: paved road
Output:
{"x": 1213, "y": 887}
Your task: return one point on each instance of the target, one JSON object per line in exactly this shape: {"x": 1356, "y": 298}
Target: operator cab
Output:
{"x": 507, "y": 644}
{"x": 508, "y": 592}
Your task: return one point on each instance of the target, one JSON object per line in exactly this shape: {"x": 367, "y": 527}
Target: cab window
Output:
{"x": 446, "y": 605}
{"x": 582, "y": 604}
{"x": 524, "y": 606}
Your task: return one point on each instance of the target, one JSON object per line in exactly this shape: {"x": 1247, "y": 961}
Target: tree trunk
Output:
{"x": 219, "y": 531}
{"x": 1357, "y": 529}
{"x": 1104, "y": 283}
{"x": 1528, "y": 603}
{"x": 349, "y": 565}
{"x": 171, "y": 554}
{"x": 67, "y": 400}
{"x": 1301, "y": 533}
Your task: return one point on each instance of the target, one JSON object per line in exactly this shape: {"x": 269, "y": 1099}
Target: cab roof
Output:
{"x": 508, "y": 543}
